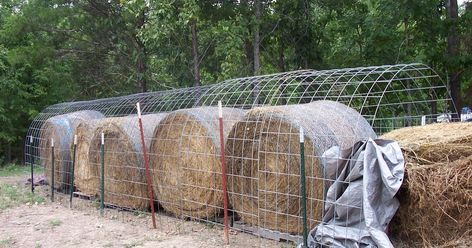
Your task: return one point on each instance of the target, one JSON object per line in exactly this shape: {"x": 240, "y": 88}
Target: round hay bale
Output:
{"x": 185, "y": 157}
{"x": 263, "y": 156}
{"x": 436, "y": 196}
{"x": 86, "y": 175}
{"x": 60, "y": 128}
{"x": 125, "y": 181}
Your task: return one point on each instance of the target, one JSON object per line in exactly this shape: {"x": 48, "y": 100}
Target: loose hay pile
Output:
{"x": 436, "y": 198}
{"x": 185, "y": 157}
{"x": 60, "y": 128}
{"x": 125, "y": 182}
{"x": 263, "y": 160}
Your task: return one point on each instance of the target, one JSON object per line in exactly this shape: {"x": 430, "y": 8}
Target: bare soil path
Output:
{"x": 54, "y": 224}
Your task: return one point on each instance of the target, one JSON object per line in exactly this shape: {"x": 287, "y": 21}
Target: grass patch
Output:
{"x": 15, "y": 195}
{"x": 135, "y": 243}
{"x": 6, "y": 242}
{"x": 55, "y": 222}
{"x": 13, "y": 170}
{"x": 17, "y": 170}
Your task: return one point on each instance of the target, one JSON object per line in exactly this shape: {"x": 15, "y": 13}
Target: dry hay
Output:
{"x": 436, "y": 198}
{"x": 185, "y": 157}
{"x": 60, "y": 128}
{"x": 125, "y": 181}
{"x": 85, "y": 174}
{"x": 263, "y": 154}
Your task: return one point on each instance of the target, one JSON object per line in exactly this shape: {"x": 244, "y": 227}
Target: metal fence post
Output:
{"x": 72, "y": 171}
{"x": 102, "y": 177}
{"x": 303, "y": 187}
{"x": 52, "y": 169}
{"x": 146, "y": 164}
{"x": 223, "y": 172}
{"x": 31, "y": 162}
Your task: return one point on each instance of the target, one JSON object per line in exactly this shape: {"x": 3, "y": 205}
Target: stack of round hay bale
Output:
{"x": 436, "y": 197}
{"x": 263, "y": 160}
{"x": 60, "y": 128}
{"x": 263, "y": 156}
{"x": 125, "y": 184}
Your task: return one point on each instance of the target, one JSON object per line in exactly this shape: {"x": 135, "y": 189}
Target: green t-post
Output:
{"x": 72, "y": 172}
{"x": 102, "y": 178}
{"x": 303, "y": 187}
{"x": 52, "y": 170}
{"x": 31, "y": 162}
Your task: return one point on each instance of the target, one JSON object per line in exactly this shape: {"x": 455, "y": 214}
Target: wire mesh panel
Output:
{"x": 263, "y": 117}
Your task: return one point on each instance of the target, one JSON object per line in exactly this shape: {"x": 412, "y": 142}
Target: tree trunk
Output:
{"x": 248, "y": 45}
{"x": 281, "y": 62}
{"x": 196, "y": 62}
{"x": 256, "y": 42}
{"x": 141, "y": 67}
{"x": 141, "y": 60}
{"x": 453, "y": 52}
{"x": 408, "y": 83}
{"x": 8, "y": 158}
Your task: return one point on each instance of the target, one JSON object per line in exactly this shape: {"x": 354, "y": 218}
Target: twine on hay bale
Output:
{"x": 436, "y": 198}
{"x": 125, "y": 181}
{"x": 60, "y": 128}
{"x": 263, "y": 159}
{"x": 185, "y": 157}
{"x": 86, "y": 180}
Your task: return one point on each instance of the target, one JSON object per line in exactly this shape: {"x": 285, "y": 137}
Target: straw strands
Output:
{"x": 184, "y": 155}
{"x": 86, "y": 175}
{"x": 263, "y": 160}
{"x": 125, "y": 183}
{"x": 436, "y": 198}
{"x": 60, "y": 128}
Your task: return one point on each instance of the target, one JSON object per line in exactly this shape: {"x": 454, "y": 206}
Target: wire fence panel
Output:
{"x": 263, "y": 117}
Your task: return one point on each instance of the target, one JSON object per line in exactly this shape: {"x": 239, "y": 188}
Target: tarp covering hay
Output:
{"x": 61, "y": 129}
{"x": 263, "y": 160}
{"x": 185, "y": 158}
{"x": 436, "y": 198}
{"x": 125, "y": 181}
{"x": 85, "y": 174}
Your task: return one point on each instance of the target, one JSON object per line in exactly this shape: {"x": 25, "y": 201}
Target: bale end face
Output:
{"x": 185, "y": 158}
{"x": 263, "y": 153}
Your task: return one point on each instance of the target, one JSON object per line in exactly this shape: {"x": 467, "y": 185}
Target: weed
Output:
{"x": 55, "y": 222}
{"x": 134, "y": 244}
{"x": 6, "y": 242}
{"x": 14, "y": 195}
{"x": 16, "y": 170}
{"x": 13, "y": 170}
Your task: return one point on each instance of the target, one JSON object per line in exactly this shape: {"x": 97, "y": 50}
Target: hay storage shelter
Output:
{"x": 387, "y": 97}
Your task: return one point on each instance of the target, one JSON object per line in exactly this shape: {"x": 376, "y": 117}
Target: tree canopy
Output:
{"x": 61, "y": 50}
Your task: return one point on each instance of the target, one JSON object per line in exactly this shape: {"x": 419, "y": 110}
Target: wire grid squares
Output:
{"x": 262, "y": 117}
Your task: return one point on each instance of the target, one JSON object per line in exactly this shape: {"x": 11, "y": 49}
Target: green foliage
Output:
{"x": 61, "y": 50}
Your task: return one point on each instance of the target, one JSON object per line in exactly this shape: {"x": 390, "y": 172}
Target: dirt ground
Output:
{"x": 54, "y": 224}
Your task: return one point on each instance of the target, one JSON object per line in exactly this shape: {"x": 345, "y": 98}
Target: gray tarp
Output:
{"x": 360, "y": 200}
